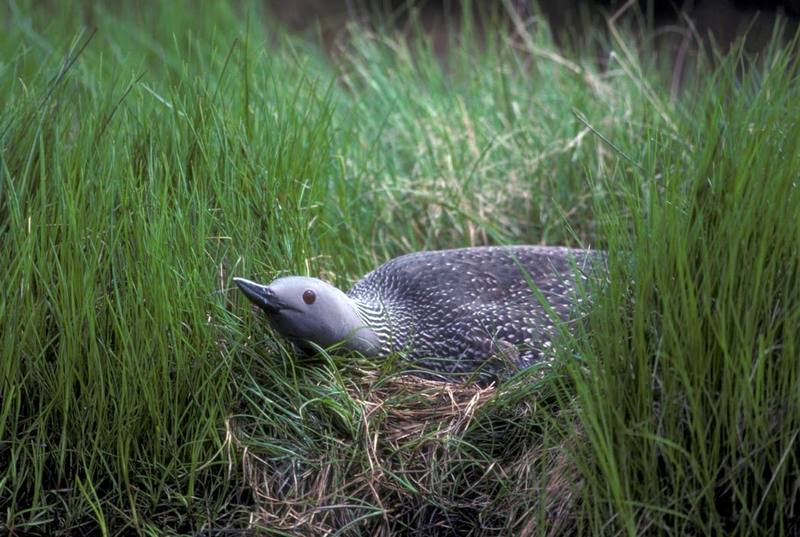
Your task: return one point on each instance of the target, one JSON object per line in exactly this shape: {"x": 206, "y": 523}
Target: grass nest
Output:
{"x": 425, "y": 457}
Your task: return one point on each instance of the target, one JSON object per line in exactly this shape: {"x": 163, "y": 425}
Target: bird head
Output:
{"x": 307, "y": 309}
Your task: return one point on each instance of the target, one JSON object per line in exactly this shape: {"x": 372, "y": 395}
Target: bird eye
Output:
{"x": 309, "y": 297}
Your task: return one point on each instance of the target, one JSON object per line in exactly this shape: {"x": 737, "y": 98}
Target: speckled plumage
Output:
{"x": 452, "y": 310}
{"x": 489, "y": 309}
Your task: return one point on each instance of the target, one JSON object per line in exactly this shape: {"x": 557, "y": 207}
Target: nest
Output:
{"x": 429, "y": 457}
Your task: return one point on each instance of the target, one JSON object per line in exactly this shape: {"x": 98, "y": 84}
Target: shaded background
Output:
{"x": 722, "y": 21}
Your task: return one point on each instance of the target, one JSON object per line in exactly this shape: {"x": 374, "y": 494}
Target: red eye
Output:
{"x": 309, "y": 297}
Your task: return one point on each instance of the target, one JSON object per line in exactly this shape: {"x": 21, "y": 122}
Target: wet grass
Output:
{"x": 148, "y": 155}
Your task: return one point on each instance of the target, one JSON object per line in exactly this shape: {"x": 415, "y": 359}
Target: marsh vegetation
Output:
{"x": 147, "y": 156}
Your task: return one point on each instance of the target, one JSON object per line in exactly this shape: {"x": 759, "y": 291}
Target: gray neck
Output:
{"x": 362, "y": 334}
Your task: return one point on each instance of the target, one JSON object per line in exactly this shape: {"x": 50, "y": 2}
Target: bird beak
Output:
{"x": 260, "y": 295}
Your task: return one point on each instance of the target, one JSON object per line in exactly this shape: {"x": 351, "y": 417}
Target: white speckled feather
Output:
{"x": 455, "y": 310}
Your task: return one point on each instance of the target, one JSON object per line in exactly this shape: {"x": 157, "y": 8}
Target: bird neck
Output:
{"x": 376, "y": 319}
{"x": 371, "y": 313}
{"x": 348, "y": 327}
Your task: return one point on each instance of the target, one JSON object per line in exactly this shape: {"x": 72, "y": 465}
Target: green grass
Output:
{"x": 150, "y": 154}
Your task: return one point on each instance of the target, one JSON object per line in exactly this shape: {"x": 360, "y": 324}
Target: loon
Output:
{"x": 451, "y": 311}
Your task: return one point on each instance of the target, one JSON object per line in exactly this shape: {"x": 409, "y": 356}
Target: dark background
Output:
{"x": 720, "y": 21}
